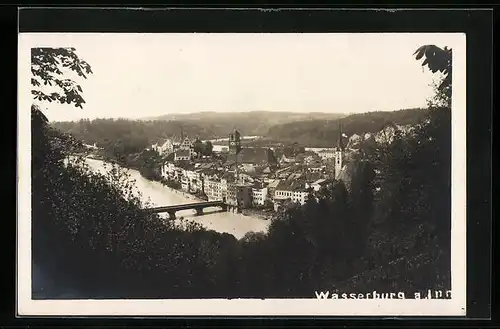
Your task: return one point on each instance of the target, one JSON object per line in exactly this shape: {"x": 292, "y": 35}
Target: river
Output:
{"x": 213, "y": 219}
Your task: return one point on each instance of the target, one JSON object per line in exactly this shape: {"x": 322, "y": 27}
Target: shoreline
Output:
{"x": 249, "y": 213}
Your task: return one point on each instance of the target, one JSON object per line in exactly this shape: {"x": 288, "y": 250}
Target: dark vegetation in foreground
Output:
{"x": 104, "y": 245}
{"x": 390, "y": 232}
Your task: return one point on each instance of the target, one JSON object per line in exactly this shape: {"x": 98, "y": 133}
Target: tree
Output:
{"x": 198, "y": 147}
{"x": 438, "y": 60}
{"x": 49, "y": 68}
{"x": 208, "y": 148}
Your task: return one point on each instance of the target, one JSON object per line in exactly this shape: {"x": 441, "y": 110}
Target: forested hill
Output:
{"x": 135, "y": 135}
{"x": 252, "y": 123}
{"x": 206, "y": 125}
{"x": 311, "y": 129}
{"x": 325, "y": 133}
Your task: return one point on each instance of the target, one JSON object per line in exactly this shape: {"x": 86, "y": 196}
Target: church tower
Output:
{"x": 339, "y": 154}
{"x": 234, "y": 149}
{"x": 234, "y": 142}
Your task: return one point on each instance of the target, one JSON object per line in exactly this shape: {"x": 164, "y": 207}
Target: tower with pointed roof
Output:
{"x": 234, "y": 149}
{"x": 339, "y": 154}
{"x": 234, "y": 142}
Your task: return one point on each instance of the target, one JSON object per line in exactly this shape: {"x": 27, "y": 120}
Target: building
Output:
{"x": 239, "y": 195}
{"x": 213, "y": 189}
{"x": 327, "y": 154}
{"x": 234, "y": 142}
{"x": 169, "y": 171}
{"x": 300, "y": 195}
{"x": 186, "y": 144}
{"x": 272, "y": 185}
{"x": 339, "y": 154}
{"x": 248, "y": 157}
{"x": 259, "y": 194}
{"x": 318, "y": 184}
{"x": 185, "y": 183}
{"x": 165, "y": 148}
{"x": 291, "y": 190}
{"x": 182, "y": 155}
{"x": 253, "y": 157}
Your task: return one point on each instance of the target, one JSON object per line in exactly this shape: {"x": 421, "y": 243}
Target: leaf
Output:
{"x": 420, "y": 52}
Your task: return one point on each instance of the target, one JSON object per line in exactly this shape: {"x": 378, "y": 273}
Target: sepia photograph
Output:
{"x": 241, "y": 174}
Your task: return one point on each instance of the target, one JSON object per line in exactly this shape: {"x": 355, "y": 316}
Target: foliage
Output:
{"x": 438, "y": 60}
{"x": 203, "y": 148}
{"x": 132, "y": 136}
{"x": 293, "y": 150}
{"x": 49, "y": 68}
{"x": 253, "y": 123}
{"x": 325, "y": 133}
{"x": 90, "y": 231}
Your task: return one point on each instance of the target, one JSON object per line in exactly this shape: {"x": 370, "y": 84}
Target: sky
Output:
{"x": 144, "y": 75}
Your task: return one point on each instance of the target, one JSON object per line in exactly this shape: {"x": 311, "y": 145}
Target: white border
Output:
{"x": 244, "y": 307}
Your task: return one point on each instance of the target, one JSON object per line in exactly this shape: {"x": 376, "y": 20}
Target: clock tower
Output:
{"x": 234, "y": 142}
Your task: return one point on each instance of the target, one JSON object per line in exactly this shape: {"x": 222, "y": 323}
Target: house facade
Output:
{"x": 164, "y": 148}
{"x": 327, "y": 154}
{"x": 182, "y": 155}
{"x": 293, "y": 191}
{"x": 259, "y": 195}
{"x": 239, "y": 195}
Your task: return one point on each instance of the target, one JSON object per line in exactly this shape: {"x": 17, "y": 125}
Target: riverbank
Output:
{"x": 158, "y": 194}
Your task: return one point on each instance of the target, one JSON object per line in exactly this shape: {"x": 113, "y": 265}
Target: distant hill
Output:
{"x": 325, "y": 133}
{"x": 310, "y": 129}
{"x": 251, "y": 123}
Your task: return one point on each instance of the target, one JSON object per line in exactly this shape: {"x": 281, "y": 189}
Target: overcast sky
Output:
{"x": 139, "y": 75}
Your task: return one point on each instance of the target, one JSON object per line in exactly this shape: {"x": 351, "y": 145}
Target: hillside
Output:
{"x": 311, "y": 129}
{"x": 135, "y": 134}
{"x": 251, "y": 123}
{"x": 325, "y": 133}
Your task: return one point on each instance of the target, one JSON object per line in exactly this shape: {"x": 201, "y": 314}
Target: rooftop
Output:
{"x": 274, "y": 183}
{"x": 254, "y": 155}
{"x": 292, "y": 186}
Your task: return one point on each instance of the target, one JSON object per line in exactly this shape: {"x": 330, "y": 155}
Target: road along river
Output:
{"x": 160, "y": 195}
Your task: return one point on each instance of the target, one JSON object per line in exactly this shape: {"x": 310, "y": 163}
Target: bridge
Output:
{"x": 198, "y": 206}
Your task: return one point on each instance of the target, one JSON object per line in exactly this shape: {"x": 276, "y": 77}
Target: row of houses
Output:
{"x": 246, "y": 192}
{"x": 183, "y": 150}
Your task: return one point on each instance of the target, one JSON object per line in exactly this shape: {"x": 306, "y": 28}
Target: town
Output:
{"x": 259, "y": 179}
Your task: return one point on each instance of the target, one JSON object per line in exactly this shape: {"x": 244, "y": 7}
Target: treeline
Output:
{"x": 314, "y": 129}
{"x": 132, "y": 135}
{"x": 90, "y": 238}
{"x": 325, "y": 133}
{"x": 252, "y": 123}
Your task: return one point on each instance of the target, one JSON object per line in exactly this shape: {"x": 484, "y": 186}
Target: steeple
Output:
{"x": 340, "y": 144}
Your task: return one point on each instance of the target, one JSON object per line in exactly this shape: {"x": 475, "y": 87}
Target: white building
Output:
{"x": 290, "y": 191}
{"x": 327, "y": 154}
{"x": 164, "y": 149}
{"x": 316, "y": 186}
{"x": 169, "y": 170}
{"x": 259, "y": 195}
{"x": 186, "y": 144}
{"x": 185, "y": 184}
{"x": 300, "y": 196}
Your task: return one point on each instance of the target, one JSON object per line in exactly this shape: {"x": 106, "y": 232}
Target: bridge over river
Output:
{"x": 197, "y": 206}
{"x": 156, "y": 194}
